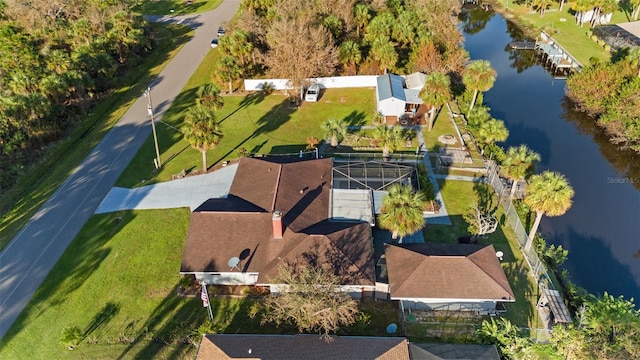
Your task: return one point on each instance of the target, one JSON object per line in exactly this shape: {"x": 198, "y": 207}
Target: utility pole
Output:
{"x": 156, "y": 161}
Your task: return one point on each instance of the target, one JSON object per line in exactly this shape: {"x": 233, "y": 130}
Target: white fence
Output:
{"x": 325, "y": 82}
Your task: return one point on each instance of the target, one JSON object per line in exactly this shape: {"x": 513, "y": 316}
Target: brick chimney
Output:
{"x": 276, "y": 221}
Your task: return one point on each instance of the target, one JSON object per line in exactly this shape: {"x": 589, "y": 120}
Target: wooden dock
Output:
{"x": 555, "y": 56}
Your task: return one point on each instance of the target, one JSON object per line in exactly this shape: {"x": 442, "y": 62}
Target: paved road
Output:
{"x": 37, "y": 247}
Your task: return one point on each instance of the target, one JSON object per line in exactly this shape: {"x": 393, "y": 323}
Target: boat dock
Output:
{"x": 555, "y": 56}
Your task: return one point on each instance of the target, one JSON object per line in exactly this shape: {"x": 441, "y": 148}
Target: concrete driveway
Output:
{"x": 27, "y": 260}
{"x": 189, "y": 192}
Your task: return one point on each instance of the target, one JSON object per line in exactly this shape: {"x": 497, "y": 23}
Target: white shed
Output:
{"x": 394, "y": 100}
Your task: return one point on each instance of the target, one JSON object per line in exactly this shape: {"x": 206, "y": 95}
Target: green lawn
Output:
{"x": 562, "y": 26}
{"x": 118, "y": 280}
{"x": 254, "y": 122}
{"x": 41, "y": 180}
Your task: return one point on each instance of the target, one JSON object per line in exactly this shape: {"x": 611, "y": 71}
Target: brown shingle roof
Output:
{"x": 310, "y": 347}
{"x": 344, "y": 249}
{"x": 446, "y": 271}
{"x": 241, "y": 224}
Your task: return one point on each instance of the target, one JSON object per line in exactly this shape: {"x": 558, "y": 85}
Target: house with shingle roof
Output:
{"x": 296, "y": 211}
{"x": 458, "y": 277}
{"x": 310, "y": 347}
{"x": 276, "y": 213}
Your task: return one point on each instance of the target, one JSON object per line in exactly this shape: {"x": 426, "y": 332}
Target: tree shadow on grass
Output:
{"x": 101, "y": 318}
{"x": 78, "y": 263}
{"x": 251, "y": 99}
{"x": 170, "y": 323}
{"x": 267, "y": 123}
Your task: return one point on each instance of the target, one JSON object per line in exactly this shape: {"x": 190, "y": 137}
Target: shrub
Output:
{"x": 589, "y": 33}
{"x": 594, "y": 38}
{"x": 71, "y": 336}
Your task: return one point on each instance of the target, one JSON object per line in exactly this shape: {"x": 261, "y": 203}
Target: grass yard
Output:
{"x": 39, "y": 182}
{"x": 117, "y": 282}
{"x": 458, "y": 196}
{"x": 562, "y": 26}
{"x": 253, "y": 122}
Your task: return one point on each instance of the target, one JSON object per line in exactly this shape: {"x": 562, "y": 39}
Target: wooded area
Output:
{"x": 57, "y": 58}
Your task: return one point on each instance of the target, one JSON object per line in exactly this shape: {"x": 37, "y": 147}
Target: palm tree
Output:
{"x": 402, "y": 211}
{"x": 209, "y": 96}
{"x": 202, "y": 131}
{"x": 519, "y": 165}
{"x": 581, "y": 7}
{"x": 548, "y": 194}
{"x": 491, "y": 131}
{"x": 335, "y": 130}
{"x": 361, "y": 16}
{"x": 384, "y": 53}
{"x": 350, "y": 54}
{"x": 478, "y": 76}
{"x": 389, "y": 138}
{"x": 436, "y": 92}
{"x": 228, "y": 70}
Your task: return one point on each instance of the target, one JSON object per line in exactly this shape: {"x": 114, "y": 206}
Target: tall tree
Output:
{"x": 228, "y": 70}
{"x": 361, "y": 16}
{"x": 581, "y": 7}
{"x": 299, "y": 50}
{"x": 389, "y": 138}
{"x": 548, "y": 194}
{"x": 518, "y": 165}
{"x": 490, "y": 132}
{"x": 335, "y": 130}
{"x": 402, "y": 211}
{"x": 385, "y": 54}
{"x": 478, "y": 76}
{"x": 436, "y": 92}
{"x": 202, "y": 131}
{"x": 311, "y": 300}
{"x": 209, "y": 96}
{"x": 350, "y": 54}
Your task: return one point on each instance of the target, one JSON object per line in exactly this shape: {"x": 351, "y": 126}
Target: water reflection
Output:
{"x": 601, "y": 229}
{"x": 474, "y": 18}
{"x": 626, "y": 162}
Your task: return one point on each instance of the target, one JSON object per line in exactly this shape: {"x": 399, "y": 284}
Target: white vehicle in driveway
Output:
{"x": 312, "y": 94}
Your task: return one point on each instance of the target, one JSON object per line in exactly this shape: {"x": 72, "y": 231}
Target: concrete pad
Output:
{"x": 189, "y": 192}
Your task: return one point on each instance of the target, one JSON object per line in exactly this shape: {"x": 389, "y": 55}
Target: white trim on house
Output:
{"x": 225, "y": 278}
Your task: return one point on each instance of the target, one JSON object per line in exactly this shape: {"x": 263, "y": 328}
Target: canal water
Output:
{"x": 602, "y": 228}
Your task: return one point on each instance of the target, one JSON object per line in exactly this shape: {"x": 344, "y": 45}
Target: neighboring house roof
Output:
{"x": 390, "y": 86}
{"x": 415, "y": 80}
{"x": 412, "y": 96}
{"x": 433, "y": 351}
{"x": 241, "y": 225}
{"x": 310, "y": 347}
{"x": 446, "y": 271}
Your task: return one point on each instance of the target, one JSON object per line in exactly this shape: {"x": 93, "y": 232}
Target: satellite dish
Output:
{"x": 233, "y": 262}
{"x": 392, "y": 328}
{"x": 499, "y": 255}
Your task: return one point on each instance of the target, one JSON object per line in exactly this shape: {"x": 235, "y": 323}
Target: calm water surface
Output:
{"x": 602, "y": 228}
